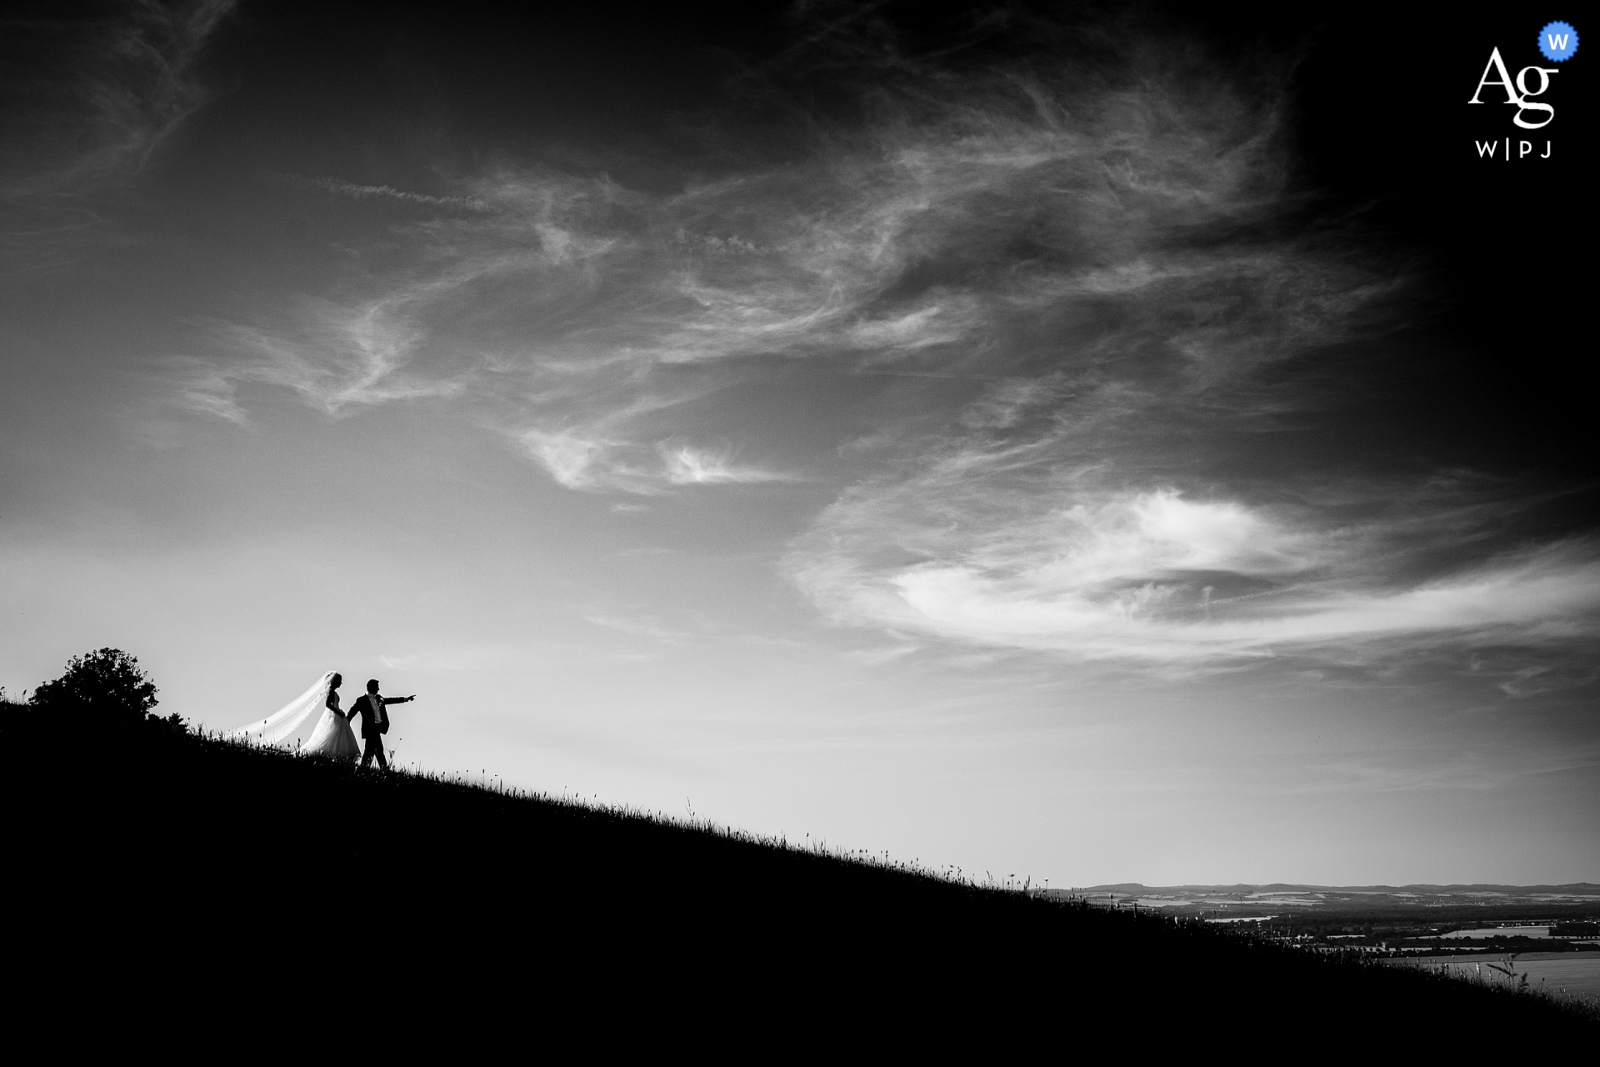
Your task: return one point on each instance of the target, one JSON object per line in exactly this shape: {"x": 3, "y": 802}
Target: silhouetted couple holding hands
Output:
{"x": 374, "y": 720}
{"x": 332, "y": 737}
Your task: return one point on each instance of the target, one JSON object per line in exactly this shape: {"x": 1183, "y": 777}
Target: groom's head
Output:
{"x": 372, "y": 685}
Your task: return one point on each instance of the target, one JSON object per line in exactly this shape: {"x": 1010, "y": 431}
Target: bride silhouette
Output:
{"x": 331, "y": 737}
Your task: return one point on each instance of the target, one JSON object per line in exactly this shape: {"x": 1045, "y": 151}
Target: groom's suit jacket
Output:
{"x": 374, "y": 720}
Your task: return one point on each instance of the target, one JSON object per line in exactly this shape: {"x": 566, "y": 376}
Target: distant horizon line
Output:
{"x": 1568, "y": 888}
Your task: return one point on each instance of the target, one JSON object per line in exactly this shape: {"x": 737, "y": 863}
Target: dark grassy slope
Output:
{"x": 152, "y": 860}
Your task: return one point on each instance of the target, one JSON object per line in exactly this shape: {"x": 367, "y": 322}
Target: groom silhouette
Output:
{"x": 374, "y": 722}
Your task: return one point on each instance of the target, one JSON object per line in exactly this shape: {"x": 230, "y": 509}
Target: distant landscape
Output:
{"x": 1391, "y": 920}
{"x": 1533, "y": 936}
{"x": 1252, "y": 899}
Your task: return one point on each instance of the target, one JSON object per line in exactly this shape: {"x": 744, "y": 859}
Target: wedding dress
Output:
{"x": 332, "y": 735}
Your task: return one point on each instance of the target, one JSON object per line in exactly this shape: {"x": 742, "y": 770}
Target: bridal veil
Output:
{"x": 286, "y": 720}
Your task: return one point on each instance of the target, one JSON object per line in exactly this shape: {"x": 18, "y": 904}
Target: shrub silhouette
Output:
{"x": 106, "y": 686}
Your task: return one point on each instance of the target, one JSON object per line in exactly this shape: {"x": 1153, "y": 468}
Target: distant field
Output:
{"x": 1533, "y": 933}
{"x": 1576, "y": 973}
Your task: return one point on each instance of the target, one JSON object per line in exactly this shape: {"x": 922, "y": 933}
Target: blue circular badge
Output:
{"x": 1557, "y": 41}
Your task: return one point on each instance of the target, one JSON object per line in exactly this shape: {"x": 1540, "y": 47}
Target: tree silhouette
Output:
{"x": 105, "y": 685}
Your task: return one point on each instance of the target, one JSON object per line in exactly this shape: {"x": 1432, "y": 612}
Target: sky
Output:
{"x": 1084, "y": 443}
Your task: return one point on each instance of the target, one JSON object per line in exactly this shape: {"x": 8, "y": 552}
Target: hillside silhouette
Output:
{"x": 218, "y": 873}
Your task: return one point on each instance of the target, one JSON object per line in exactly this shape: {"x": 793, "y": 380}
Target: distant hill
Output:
{"x": 1571, "y": 889}
{"x": 1550, "y": 901}
{"x": 184, "y": 882}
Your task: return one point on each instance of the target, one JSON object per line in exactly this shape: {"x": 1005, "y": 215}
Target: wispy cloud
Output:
{"x": 567, "y": 457}
{"x": 1523, "y": 672}
{"x": 687, "y": 465}
{"x": 1005, "y": 548}
{"x": 202, "y": 387}
{"x": 338, "y": 357}
{"x": 103, "y": 95}
{"x": 412, "y": 335}
{"x": 341, "y": 187}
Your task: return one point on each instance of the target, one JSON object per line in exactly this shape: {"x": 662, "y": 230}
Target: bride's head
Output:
{"x": 333, "y": 683}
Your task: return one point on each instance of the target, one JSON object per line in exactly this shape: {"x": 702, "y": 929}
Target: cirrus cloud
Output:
{"x": 1154, "y": 578}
